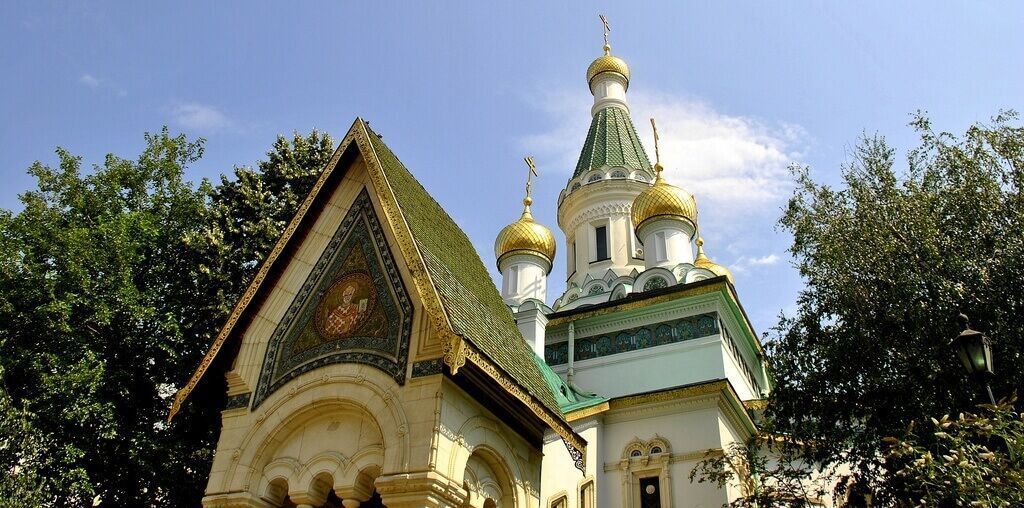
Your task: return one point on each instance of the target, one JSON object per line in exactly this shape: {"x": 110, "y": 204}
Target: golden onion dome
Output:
{"x": 525, "y": 236}
{"x": 607, "y": 63}
{"x": 663, "y": 199}
{"x": 702, "y": 261}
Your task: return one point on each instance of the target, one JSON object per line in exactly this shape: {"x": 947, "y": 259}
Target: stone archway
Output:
{"x": 327, "y": 437}
{"x": 487, "y": 481}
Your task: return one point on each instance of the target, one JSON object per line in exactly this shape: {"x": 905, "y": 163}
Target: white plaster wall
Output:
{"x": 676, "y": 244}
{"x": 465, "y": 426}
{"x": 529, "y": 281}
{"x": 559, "y": 474}
{"x": 609, "y": 89}
{"x": 653, "y": 368}
{"x": 690, "y": 433}
{"x": 737, "y": 378}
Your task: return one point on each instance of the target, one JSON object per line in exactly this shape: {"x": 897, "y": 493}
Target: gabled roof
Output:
{"x": 474, "y": 308}
{"x": 462, "y": 303}
{"x": 612, "y": 141}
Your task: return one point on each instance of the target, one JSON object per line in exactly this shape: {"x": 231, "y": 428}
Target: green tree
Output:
{"x": 889, "y": 260}
{"x": 767, "y": 473}
{"x": 974, "y": 459}
{"x": 112, "y": 283}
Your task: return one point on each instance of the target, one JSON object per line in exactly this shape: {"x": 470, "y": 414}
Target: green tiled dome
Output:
{"x": 612, "y": 141}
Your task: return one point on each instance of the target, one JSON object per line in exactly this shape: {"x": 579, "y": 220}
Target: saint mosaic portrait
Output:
{"x": 352, "y": 308}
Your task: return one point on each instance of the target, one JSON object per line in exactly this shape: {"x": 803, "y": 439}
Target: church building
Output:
{"x": 373, "y": 362}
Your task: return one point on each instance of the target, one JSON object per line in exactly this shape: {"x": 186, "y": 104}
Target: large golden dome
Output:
{"x": 663, "y": 200}
{"x": 702, "y": 261}
{"x": 608, "y": 63}
{"x": 525, "y": 236}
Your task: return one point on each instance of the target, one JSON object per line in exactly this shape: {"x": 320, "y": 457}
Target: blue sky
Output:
{"x": 462, "y": 90}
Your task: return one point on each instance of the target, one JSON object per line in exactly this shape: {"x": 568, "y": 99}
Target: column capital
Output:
{"x": 420, "y": 490}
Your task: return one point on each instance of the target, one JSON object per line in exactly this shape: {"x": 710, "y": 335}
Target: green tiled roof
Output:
{"x": 569, "y": 398}
{"x": 612, "y": 141}
{"x": 472, "y": 303}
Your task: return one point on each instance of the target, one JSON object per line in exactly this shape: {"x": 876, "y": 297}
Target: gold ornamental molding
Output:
{"x": 459, "y": 351}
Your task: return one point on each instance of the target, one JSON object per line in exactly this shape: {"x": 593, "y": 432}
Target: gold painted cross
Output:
{"x": 657, "y": 149}
{"x": 529, "y": 176}
{"x": 607, "y": 28}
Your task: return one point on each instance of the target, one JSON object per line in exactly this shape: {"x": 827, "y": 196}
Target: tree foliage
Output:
{"x": 112, "y": 283}
{"x": 766, "y": 473}
{"x": 973, "y": 459}
{"x": 889, "y": 260}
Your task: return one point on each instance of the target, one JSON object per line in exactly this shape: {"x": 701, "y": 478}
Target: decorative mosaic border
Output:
{"x": 395, "y": 366}
{"x": 693, "y": 327}
{"x": 239, "y": 401}
{"x": 427, "y": 367}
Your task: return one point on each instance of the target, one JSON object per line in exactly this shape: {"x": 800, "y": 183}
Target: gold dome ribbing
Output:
{"x": 525, "y": 236}
{"x": 663, "y": 199}
{"x": 702, "y": 261}
{"x": 608, "y": 63}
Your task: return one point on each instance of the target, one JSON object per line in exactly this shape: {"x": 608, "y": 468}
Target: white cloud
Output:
{"x": 97, "y": 83}
{"x": 770, "y": 259}
{"x": 200, "y": 117}
{"x": 90, "y": 81}
{"x": 733, "y": 163}
{"x": 749, "y": 264}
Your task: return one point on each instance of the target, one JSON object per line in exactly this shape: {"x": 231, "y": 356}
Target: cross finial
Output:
{"x": 528, "y": 200}
{"x": 607, "y": 28}
{"x": 657, "y": 150}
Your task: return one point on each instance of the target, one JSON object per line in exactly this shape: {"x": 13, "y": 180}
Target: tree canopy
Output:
{"x": 112, "y": 284}
{"x": 889, "y": 260}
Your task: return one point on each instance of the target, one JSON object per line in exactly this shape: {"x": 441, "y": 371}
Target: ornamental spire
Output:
{"x": 658, "y": 168}
{"x": 528, "y": 200}
{"x": 607, "y": 29}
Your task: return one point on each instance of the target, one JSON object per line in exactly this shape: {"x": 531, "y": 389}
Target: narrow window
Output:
{"x": 572, "y": 258}
{"x": 660, "y": 247}
{"x": 512, "y": 280}
{"x": 587, "y": 495}
{"x": 602, "y": 243}
{"x": 650, "y": 492}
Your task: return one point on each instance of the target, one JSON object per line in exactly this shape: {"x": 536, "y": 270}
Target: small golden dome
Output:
{"x": 663, "y": 199}
{"x": 525, "y": 236}
{"x": 607, "y": 63}
{"x": 702, "y": 261}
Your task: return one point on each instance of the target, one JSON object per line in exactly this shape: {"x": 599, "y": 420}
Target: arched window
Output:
{"x": 576, "y": 186}
{"x": 618, "y": 174}
{"x": 594, "y": 177}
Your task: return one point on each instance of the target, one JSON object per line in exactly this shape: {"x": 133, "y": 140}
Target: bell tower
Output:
{"x": 612, "y": 170}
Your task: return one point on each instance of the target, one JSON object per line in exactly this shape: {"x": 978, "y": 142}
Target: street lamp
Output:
{"x": 975, "y": 352}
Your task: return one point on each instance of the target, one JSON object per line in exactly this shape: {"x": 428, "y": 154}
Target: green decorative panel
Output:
{"x": 352, "y": 308}
{"x": 643, "y": 337}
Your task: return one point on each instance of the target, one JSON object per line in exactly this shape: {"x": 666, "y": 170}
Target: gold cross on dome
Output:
{"x": 607, "y": 28}
{"x": 532, "y": 173}
{"x": 657, "y": 147}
